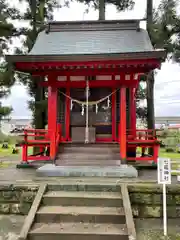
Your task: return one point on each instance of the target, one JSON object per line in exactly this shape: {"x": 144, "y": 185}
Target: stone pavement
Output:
{"x": 9, "y": 173}
{"x": 10, "y": 226}
{"x": 149, "y": 229}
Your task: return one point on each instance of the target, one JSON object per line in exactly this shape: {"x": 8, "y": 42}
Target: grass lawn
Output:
{"x": 5, "y": 152}
{"x": 8, "y": 152}
{"x": 175, "y": 160}
{"x": 163, "y": 153}
{"x": 175, "y": 157}
{"x": 172, "y": 156}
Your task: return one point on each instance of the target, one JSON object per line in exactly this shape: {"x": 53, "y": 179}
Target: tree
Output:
{"x": 7, "y": 32}
{"x": 150, "y": 76}
{"x": 162, "y": 24}
{"x": 102, "y": 10}
{"x": 121, "y": 5}
{"x": 141, "y": 111}
{"x": 38, "y": 13}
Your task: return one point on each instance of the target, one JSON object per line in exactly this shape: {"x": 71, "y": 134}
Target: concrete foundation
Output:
{"x": 122, "y": 171}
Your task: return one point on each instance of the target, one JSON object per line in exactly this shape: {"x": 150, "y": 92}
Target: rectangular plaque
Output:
{"x": 78, "y": 134}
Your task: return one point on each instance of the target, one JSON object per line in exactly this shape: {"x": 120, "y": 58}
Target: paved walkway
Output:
{"x": 10, "y": 225}
{"x": 9, "y": 173}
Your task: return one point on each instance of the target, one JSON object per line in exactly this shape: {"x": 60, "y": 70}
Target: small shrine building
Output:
{"x": 92, "y": 70}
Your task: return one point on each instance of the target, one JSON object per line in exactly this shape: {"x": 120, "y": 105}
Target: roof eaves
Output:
{"x": 157, "y": 54}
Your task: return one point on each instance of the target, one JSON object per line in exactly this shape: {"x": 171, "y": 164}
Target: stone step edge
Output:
{"x": 67, "y": 210}
{"x": 55, "y": 228}
{"x": 83, "y": 194}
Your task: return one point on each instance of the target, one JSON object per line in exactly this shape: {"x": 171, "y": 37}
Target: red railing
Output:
{"x": 55, "y": 147}
{"x": 143, "y": 134}
{"x": 43, "y": 139}
{"x": 142, "y": 139}
{"x": 35, "y": 138}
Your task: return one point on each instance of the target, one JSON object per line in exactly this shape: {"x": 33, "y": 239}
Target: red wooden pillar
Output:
{"x": 25, "y": 148}
{"x": 122, "y": 125}
{"x": 132, "y": 112}
{"x": 52, "y": 117}
{"x": 113, "y": 115}
{"x": 67, "y": 117}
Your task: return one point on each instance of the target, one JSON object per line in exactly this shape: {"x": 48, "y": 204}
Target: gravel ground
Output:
{"x": 152, "y": 229}
{"x": 147, "y": 229}
{"x": 10, "y": 226}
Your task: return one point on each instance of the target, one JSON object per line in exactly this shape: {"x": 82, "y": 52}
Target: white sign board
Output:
{"x": 164, "y": 171}
{"x": 164, "y": 177}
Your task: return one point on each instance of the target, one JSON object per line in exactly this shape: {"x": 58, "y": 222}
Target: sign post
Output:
{"x": 164, "y": 177}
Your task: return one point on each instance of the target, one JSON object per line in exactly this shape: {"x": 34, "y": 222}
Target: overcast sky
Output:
{"x": 167, "y": 87}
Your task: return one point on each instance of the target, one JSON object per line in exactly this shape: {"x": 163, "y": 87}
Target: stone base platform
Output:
{"x": 122, "y": 171}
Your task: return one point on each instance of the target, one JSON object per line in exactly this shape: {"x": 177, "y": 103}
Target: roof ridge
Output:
{"x": 56, "y": 26}
{"x": 96, "y": 21}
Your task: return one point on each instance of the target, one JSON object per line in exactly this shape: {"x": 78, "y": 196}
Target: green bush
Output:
{"x": 2, "y": 137}
{"x": 9, "y": 139}
{"x": 172, "y": 140}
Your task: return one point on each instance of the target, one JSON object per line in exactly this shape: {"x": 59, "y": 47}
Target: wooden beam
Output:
{"x": 128, "y": 212}
{"x": 52, "y": 117}
{"x": 92, "y": 84}
{"x": 132, "y": 111}
{"x": 89, "y": 64}
{"x": 113, "y": 113}
{"x": 32, "y": 212}
{"x": 67, "y": 109}
{"x": 87, "y": 72}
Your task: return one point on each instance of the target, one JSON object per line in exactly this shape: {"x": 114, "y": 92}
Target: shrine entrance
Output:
{"x": 91, "y": 112}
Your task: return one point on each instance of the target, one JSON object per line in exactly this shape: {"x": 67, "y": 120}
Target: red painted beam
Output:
{"x": 140, "y": 158}
{"x": 122, "y": 124}
{"x": 38, "y": 158}
{"x": 92, "y": 84}
{"x": 133, "y": 111}
{"x": 52, "y": 118}
{"x": 95, "y": 64}
{"x": 113, "y": 113}
{"x": 88, "y": 72}
{"x": 67, "y": 116}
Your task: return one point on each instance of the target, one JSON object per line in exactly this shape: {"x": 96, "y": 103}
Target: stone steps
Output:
{"x": 55, "y": 214}
{"x": 95, "y": 213}
{"x": 87, "y": 162}
{"x": 90, "y": 148}
{"x": 74, "y": 154}
{"x": 94, "y": 145}
{"x": 85, "y": 156}
{"x": 65, "y": 198}
{"x": 80, "y": 231}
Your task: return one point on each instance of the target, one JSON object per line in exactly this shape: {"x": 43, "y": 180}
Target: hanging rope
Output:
{"x": 92, "y": 102}
{"x": 87, "y": 104}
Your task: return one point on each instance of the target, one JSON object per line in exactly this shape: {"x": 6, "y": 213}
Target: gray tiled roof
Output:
{"x": 92, "y": 42}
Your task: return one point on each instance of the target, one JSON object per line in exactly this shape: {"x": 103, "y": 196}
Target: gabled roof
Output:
{"x": 94, "y": 37}
{"x": 93, "y": 46}
{"x": 85, "y": 39}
